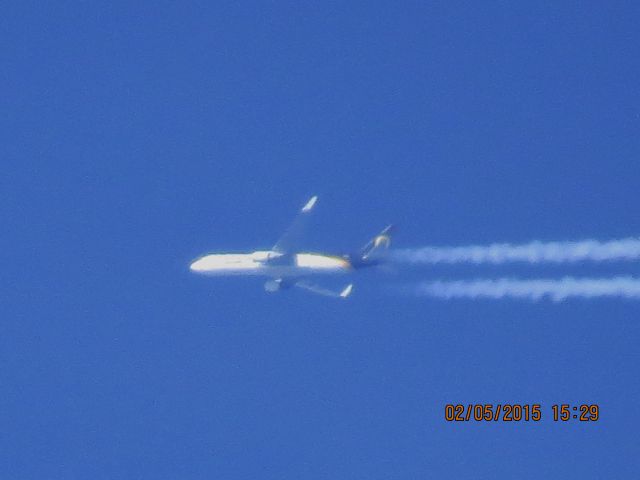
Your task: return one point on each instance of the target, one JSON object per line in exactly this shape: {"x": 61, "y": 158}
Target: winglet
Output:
{"x": 347, "y": 291}
{"x": 309, "y": 205}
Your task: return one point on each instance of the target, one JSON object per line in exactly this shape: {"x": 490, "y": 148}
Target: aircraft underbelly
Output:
{"x": 295, "y": 271}
{"x": 301, "y": 264}
{"x": 273, "y": 271}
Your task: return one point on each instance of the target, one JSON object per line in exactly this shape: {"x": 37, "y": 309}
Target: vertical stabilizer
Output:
{"x": 378, "y": 246}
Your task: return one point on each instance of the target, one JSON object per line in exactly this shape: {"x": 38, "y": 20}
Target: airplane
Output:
{"x": 286, "y": 266}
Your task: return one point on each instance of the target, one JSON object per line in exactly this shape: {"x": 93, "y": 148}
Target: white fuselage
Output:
{"x": 270, "y": 263}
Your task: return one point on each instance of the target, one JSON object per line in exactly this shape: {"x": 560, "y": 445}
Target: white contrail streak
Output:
{"x": 557, "y": 290}
{"x": 534, "y": 252}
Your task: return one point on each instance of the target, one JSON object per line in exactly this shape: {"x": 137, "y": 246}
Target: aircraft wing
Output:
{"x": 310, "y": 287}
{"x": 288, "y": 242}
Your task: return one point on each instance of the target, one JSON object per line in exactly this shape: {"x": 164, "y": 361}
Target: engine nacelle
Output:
{"x": 273, "y": 285}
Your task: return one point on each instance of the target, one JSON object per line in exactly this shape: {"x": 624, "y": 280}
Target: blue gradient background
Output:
{"x": 135, "y": 137}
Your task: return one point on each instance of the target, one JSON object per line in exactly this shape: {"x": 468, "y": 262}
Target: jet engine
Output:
{"x": 273, "y": 285}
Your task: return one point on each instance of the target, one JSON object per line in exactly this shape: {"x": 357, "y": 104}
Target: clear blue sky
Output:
{"x": 135, "y": 137}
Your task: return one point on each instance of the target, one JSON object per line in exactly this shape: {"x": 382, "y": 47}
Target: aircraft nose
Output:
{"x": 196, "y": 265}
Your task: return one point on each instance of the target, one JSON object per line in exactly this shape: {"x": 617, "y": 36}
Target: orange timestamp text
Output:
{"x": 517, "y": 412}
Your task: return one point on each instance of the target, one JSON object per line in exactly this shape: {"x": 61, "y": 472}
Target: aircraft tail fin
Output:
{"x": 378, "y": 246}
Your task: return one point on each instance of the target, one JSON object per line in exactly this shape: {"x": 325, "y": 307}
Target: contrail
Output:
{"x": 534, "y": 252}
{"x": 556, "y": 290}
